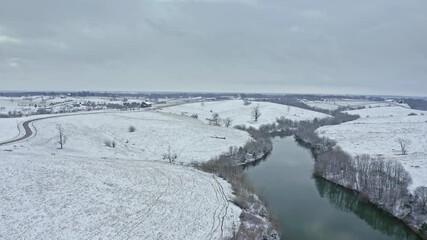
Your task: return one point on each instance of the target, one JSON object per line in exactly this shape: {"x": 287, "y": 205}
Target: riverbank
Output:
{"x": 311, "y": 208}
{"x": 401, "y": 214}
{"x": 257, "y": 222}
{"x": 225, "y": 166}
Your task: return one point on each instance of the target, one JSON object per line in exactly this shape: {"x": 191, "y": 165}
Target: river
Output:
{"x": 311, "y": 208}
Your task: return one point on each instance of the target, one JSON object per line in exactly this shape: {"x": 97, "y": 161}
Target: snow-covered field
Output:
{"x": 88, "y": 190}
{"x": 376, "y": 133}
{"x": 11, "y": 128}
{"x": 326, "y": 105}
{"x": 155, "y": 132}
{"x": 241, "y": 114}
{"x": 8, "y": 128}
{"x": 333, "y": 104}
{"x": 44, "y": 196}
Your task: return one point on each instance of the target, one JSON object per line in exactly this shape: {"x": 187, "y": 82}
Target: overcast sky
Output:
{"x": 334, "y": 46}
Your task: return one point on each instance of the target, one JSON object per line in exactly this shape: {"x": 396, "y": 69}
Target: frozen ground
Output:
{"x": 241, "y": 114}
{"x": 8, "y": 128}
{"x": 44, "y": 196}
{"x": 155, "y": 132}
{"x": 376, "y": 133}
{"x": 326, "y": 105}
{"x": 11, "y": 128}
{"x": 333, "y": 104}
{"x": 88, "y": 190}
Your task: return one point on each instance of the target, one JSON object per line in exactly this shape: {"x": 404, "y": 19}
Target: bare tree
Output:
{"x": 62, "y": 138}
{"x": 256, "y": 113}
{"x": 170, "y": 156}
{"x": 227, "y": 122}
{"x": 421, "y": 197}
{"x": 404, "y": 145}
{"x": 215, "y": 119}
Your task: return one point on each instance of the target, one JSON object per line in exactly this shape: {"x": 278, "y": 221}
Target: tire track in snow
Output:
{"x": 152, "y": 176}
{"x": 142, "y": 210}
{"x": 179, "y": 205}
{"x": 212, "y": 230}
{"x": 149, "y": 212}
{"x": 226, "y": 208}
{"x": 164, "y": 215}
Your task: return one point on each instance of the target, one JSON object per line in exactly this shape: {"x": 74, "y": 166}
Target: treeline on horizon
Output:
{"x": 415, "y": 103}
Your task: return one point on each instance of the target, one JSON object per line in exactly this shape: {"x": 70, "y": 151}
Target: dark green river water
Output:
{"x": 312, "y": 208}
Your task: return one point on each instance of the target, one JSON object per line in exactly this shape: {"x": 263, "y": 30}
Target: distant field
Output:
{"x": 377, "y": 131}
{"x": 59, "y": 104}
{"x": 241, "y": 114}
{"x": 335, "y": 104}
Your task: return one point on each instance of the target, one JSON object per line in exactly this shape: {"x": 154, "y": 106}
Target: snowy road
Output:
{"x": 28, "y": 133}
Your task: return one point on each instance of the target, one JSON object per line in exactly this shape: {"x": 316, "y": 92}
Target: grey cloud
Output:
{"x": 214, "y": 45}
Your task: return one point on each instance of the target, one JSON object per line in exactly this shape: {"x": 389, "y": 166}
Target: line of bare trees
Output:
{"x": 252, "y": 226}
{"x": 381, "y": 181}
{"x": 334, "y": 164}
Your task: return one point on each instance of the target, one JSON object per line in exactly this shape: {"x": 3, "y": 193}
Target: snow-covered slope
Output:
{"x": 8, "y": 128}
{"x": 88, "y": 190}
{"x": 155, "y": 132}
{"x": 326, "y": 105}
{"x": 44, "y": 196}
{"x": 376, "y": 133}
{"x": 386, "y": 112}
{"x": 241, "y": 114}
{"x": 333, "y": 104}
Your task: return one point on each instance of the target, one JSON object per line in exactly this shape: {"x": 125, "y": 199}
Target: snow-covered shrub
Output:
{"x": 131, "y": 129}
{"x": 110, "y": 143}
